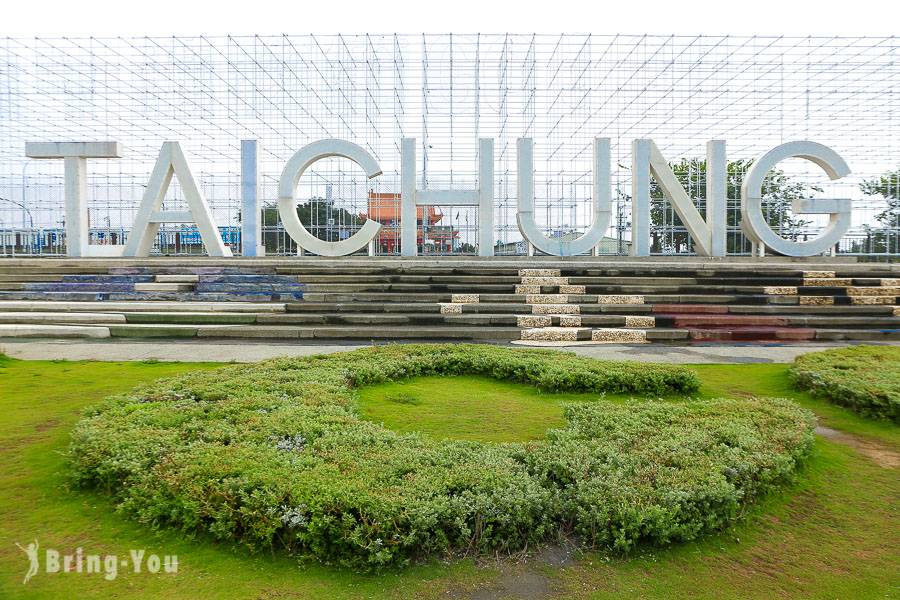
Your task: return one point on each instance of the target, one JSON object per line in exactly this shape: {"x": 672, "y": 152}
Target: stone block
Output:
{"x": 571, "y": 289}
{"x": 570, "y": 320}
{"x": 555, "y": 309}
{"x": 540, "y": 273}
{"x": 545, "y": 280}
{"x": 817, "y": 274}
{"x": 534, "y": 321}
{"x": 780, "y": 290}
{"x": 874, "y": 291}
{"x": 451, "y": 308}
{"x": 551, "y": 334}
{"x": 546, "y": 298}
{"x": 826, "y": 282}
{"x": 618, "y": 299}
{"x": 464, "y": 298}
{"x": 635, "y": 321}
{"x": 816, "y": 300}
{"x": 528, "y": 289}
{"x": 869, "y": 300}
{"x": 621, "y": 336}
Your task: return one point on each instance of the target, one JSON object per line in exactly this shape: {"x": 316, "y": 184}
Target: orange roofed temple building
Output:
{"x": 385, "y": 208}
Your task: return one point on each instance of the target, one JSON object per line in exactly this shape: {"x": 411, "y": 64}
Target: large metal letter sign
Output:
{"x": 251, "y": 227}
{"x": 411, "y": 197}
{"x": 287, "y": 205}
{"x": 75, "y": 155}
{"x": 171, "y": 161}
{"x": 602, "y": 184}
{"x": 709, "y": 235}
{"x": 754, "y": 224}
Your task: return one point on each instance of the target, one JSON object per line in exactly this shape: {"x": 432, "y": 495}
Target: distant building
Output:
{"x": 385, "y": 208}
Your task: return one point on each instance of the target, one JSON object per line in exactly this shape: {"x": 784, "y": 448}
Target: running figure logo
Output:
{"x": 32, "y": 552}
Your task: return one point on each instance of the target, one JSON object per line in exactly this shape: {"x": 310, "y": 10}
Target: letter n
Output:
{"x": 709, "y": 235}
{"x": 171, "y": 161}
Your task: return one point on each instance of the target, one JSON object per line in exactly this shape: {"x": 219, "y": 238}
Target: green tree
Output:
{"x": 320, "y": 217}
{"x": 884, "y": 236}
{"x": 778, "y": 192}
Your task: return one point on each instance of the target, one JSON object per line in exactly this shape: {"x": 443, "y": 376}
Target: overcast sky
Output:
{"x": 104, "y": 18}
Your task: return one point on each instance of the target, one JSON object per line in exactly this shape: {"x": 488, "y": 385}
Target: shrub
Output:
{"x": 275, "y": 455}
{"x": 864, "y": 378}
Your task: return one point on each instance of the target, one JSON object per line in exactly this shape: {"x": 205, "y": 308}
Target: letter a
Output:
{"x": 171, "y": 161}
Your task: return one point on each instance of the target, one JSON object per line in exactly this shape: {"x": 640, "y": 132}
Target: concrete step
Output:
{"x": 129, "y": 307}
{"x": 361, "y": 332}
{"x": 190, "y": 270}
{"x": 163, "y": 287}
{"x": 52, "y": 331}
{"x": 724, "y": 320}
{"x": 789, "y": 334}
{"x": 79, "y": 286}
{"x": 24, "y": 317}
{"x": 107, "y": 278}
{"x": 173, "y": 278}
{"x": 245, "y": 288}
{"x": 193, "y": 318}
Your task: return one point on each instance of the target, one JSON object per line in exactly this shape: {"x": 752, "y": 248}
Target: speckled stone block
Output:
{"x": 534, "y": 321}
{"x": 817, "y": 274}
{"x": 556, "y": 309}
{"x": 897, "y": 311}
{"x": 867, "y": 300}
{"x": 551, "y": 334}
{"x": 451, "y": 309}
{"x": 620, "y": 299}
{"x": 528, "y": 289}
{"x": 891, "y": 282}
{"x": 874, "y": 291}
{"x": 780, "y": 290}
{"x": 546, "y": 298}
{"x": 622, "y": 336}
{"x": 640, "y": 321}
{"x": 816, "y": 300}
{"x": 464, "y": 298}
{"x": 570, "y": 320}
{"x": 571, "y": 289}
{"x": 826, "y": 281}
{"x": 545, "y": 280}
{"x": 540, "y": 273}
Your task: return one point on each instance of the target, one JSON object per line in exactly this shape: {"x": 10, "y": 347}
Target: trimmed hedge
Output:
{"x": 275, "y": 455}
{"x": 864, "y": 378}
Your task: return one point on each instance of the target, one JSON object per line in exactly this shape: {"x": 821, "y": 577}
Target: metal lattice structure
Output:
{"x": 447, "y": 91}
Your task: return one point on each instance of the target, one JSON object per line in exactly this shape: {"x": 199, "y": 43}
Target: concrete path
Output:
{"x": 251, "y": 351}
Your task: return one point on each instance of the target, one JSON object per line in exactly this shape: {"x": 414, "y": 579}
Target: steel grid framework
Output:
{"x": 446, "y": 91}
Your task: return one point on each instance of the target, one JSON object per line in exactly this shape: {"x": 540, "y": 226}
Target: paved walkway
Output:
{"x": 235, "y": 351}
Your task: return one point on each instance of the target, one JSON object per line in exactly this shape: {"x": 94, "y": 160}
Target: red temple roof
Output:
{"x": 385, "y": 208}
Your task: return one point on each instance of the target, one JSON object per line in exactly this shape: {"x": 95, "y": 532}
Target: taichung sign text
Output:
{"x": 708, "y": 234}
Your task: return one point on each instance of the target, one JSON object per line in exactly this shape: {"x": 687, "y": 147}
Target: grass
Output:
{"x": 466, "y": 407}
{"x": 834, "y": 534}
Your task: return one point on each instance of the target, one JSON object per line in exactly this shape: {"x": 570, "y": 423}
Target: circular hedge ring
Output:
{"x": 275, "y": 455}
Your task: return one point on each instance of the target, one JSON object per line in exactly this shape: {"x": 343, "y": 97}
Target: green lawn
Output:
{"x": 466, "y": 407}
{"x": 834, "y": 534}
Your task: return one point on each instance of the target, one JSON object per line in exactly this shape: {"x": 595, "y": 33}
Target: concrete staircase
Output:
{"x": 536, "y": 300}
